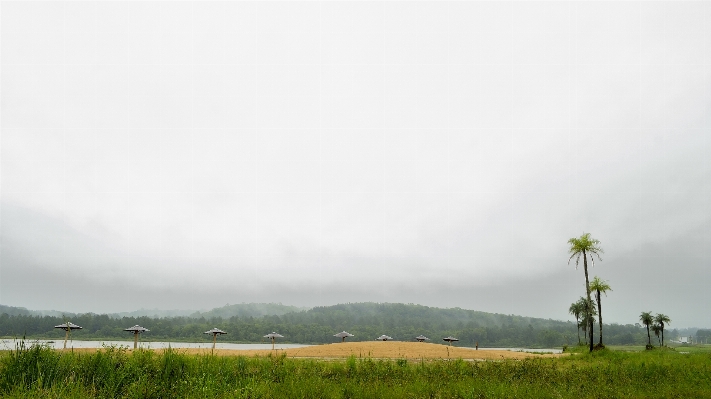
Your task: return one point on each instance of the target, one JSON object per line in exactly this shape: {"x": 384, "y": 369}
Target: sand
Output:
{"x": 376, "y": 349}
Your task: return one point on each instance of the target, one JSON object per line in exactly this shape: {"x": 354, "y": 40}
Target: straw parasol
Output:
{"x": 136, "y": 330}
{"x": 450, "y": 339}
{"x": 68, "y": 327}
{"x": 273, "y": 336}
{"x": 215, "y": 332}
{"x": 343, "y": 335}
{"x": 384, "y": 338}
{"x": 421, "y": 338}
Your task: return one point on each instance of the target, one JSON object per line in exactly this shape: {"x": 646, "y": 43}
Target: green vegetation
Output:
{"x": 600, "y": 287}
{"x": 585, "y": 246}
{"x": 703, "y": 336}
{"x": 660, "y": 319}
{"x": 647, "y": 319}
{"x": 114, "y": 373}
{"x": 365, "y": 320}
{"x": 576, "y": 309}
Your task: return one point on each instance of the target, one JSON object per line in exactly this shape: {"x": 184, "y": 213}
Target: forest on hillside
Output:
{"x": 317, "y": 325}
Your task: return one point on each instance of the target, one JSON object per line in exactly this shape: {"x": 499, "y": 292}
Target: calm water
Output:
{"x": 522, "y": 350}
{"x": 58, "y": 344}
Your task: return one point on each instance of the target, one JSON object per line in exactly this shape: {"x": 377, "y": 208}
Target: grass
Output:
{"x": 36, "y": 371}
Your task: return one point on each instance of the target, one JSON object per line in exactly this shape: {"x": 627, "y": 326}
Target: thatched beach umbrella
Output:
{"x": 68, "y": 327}
{"x": 343, "y": 335}
{"x": 273, "y": 336}
{"x": 384, "y": 338}
{"x": 215, "y": 332}
{"x": 421, "y": 338}
{"x": 450, "y": 339}
{"x": 136, "y": 330}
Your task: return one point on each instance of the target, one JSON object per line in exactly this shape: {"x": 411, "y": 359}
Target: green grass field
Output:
{"x": 38, "y": 372}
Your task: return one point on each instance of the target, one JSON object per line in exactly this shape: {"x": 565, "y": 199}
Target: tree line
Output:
{"x": 317, "y": 326}
{"x": 587, "y": 308}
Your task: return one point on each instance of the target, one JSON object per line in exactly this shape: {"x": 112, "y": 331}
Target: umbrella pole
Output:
{"x": 135, "y": 339}
{"x": 272, "y": 343}
{"x": 214, "y": 341}
{"x": 66, "y": 336}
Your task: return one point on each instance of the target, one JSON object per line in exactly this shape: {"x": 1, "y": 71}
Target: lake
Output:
{"x": 6, "y": 344}
{"x": 59, "y": 344}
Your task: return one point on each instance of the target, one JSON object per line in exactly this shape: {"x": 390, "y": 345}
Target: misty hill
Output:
{"x": 243, "y": 310}
{"x": 15, "y": 310}
{"x": 317, "y": 325}
{"x": 225, "y": 312}
{"x": 391, "y": 314}
{"x": 153, "y": 313}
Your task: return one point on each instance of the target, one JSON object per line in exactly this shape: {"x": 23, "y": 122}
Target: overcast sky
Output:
{"x": 187, "y": 155}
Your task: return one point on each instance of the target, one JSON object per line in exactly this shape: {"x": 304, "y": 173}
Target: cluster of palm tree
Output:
{"x": 584, "y": 313}
{"x": 584, "y": 309}
{"x": 656, "y": 324}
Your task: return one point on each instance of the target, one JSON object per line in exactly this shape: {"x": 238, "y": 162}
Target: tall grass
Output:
{"x": 36, "y": 371}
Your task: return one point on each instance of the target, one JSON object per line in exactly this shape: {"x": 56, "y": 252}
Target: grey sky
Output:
{"x": 186, "y": 155}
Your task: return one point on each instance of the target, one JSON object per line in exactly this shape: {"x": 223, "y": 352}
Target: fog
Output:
{"x": 187, "y": 155}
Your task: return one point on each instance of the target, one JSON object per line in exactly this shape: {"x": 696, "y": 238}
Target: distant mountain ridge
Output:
{"x": 249, "y": 310}
{"x": 225, "y": 312}
{"x": 16, "y": 311}
{"x": 247, "y": 323}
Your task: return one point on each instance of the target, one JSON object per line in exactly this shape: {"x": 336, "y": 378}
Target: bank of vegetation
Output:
{"x": 29, "y": 372}
{"x": 315, "y": 326}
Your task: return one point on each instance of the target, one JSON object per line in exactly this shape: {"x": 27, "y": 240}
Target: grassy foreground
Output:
{"x": 115, "y": 373}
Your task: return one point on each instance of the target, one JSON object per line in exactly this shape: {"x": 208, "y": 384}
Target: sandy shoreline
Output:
{"x": 370, "y": 349}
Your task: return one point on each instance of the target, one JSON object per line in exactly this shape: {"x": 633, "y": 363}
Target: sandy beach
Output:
{"x": 373, "y": 349}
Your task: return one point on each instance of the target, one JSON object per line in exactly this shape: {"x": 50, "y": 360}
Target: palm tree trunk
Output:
{"x": 599, "y": 313}
{"x": 577, "y": 324}
{"x": 662, "y": 335}
{"x": 587, "y": 291}
{"x": 649, "y": 337}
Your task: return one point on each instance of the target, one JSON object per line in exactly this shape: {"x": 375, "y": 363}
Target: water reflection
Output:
{"x": 6, "y": 344}
{"x": 548, "y": 350}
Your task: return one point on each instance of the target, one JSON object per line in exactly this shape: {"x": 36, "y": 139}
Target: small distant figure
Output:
{"x": 477, "y": 345}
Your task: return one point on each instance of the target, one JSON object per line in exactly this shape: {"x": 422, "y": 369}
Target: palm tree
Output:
{"x": 588, "y": 316}
{"x": 584, "y": 246}
{"x": 656, "y": 329}
{"x": 576, "y": 310}
{"x": 600, "y": 287}
{"x": 647, "y": 319}
{"x": 661, "y": 319}
{"x": 584, "y": 327}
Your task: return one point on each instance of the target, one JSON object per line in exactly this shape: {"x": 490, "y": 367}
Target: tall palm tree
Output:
{"x": 656, "y": 329}
{"x": 585, "y": 246}
{"x": 647, "y": 319}
{"x": 661, "y": 319}
{"x": 600, "y": 287}
{"x": 576, "y": 309}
